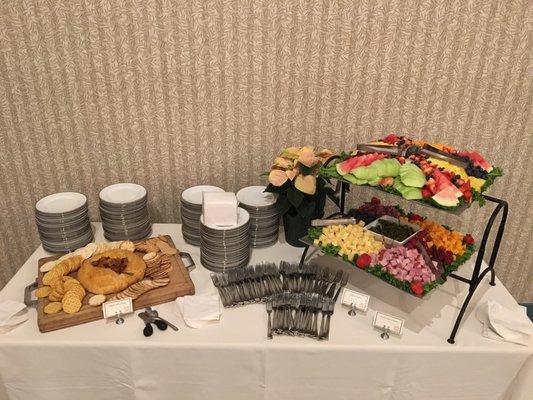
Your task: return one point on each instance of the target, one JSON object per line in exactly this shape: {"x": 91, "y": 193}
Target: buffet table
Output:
{"x": 234, "y": 359}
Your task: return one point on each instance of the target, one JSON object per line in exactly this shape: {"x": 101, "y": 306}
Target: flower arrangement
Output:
{"x": 301, "y": 192}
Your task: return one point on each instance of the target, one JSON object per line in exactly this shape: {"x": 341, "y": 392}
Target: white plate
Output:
{"x": 122, "y": 193}
{"x": 255, "y": 196}
{"x": 194, "y": 194}
{"x": 242, "y": 218}
{"x": 58, "y": 203}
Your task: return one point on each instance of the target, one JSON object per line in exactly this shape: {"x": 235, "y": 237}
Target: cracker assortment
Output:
{"x": 66, "y": 293}
{"x": 139, "y": 288}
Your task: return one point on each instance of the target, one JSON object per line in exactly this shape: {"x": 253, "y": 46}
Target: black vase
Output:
{"x": 297, "y": 225}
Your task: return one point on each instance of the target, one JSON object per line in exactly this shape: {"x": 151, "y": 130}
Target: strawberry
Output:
{"x": 417, "y": 288}
{"x": 363, "y": 261}
{"x": 415, "y": 217}
{"x": 468, "y": 239}
{"x": 391, "y": 139}
{"x": 426, "y": 193}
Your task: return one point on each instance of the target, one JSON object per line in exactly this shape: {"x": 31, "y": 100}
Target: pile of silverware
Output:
{"x": 311, "y": 278}
{"x": 297, "y": 314}
{"x": 255, "y": 283}
{"x": 250, "y": 284}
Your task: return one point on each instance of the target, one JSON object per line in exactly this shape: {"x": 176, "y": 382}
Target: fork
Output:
{"x": 344, "y": 281}
{"x": 269, "y": 312}
{"x": 337, "y": 279}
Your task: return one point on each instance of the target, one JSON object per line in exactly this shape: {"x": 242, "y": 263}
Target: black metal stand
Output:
{"x": 477, "y": 274}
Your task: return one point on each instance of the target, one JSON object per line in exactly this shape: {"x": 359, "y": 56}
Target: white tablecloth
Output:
{"x": 234, "y": 360}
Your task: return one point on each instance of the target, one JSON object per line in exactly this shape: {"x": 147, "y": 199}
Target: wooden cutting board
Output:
{"x": 180, "y": 285}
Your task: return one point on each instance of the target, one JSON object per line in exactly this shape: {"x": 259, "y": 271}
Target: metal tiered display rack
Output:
{"x": 477, "y": 274}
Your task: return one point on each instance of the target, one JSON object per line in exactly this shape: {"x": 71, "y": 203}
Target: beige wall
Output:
{"x": 175, "y": 93}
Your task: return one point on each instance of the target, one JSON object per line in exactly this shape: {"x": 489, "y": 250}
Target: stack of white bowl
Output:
{"x": 191, "y": 209}
{"x": 225, "y": 247}
{"x": 63, "y": 222}
{"x": 124, "y": 212}
{"x": 264, "y": 218}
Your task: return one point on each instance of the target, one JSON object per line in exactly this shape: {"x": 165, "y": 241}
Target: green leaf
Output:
{"x": 294, "y": 196}
{"x": 304, "y": 170}
{"x": 272, "y": 189}
{"x": 314, "y": 232}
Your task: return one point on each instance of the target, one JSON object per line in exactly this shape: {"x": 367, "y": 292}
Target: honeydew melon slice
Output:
{"x": 352, "y": 179}
{"x": 393, "y": 167}
{"x": 381, "y": 167}
{"x": 374, "y": 182}
{"x": 412, "y": 176}
{"x": 412, "y": 193}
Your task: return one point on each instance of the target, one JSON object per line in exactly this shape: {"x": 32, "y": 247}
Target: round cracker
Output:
{"x": 53, "y": 307}
{"x": 43, "y": 291}
{"x": 48, "y": 266}
{"x": 71, "y": 304}
{"x": 97, "y": 300}
{"x": 149, "y": 256}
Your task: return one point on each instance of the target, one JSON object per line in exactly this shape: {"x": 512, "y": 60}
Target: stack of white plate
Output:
{"x": 63, "y": 222}
{"x": 124, "y": 212}
{"x": 191, "y": 209}
{"x": 225, "y": 247}
{"x": 264, "y": 218}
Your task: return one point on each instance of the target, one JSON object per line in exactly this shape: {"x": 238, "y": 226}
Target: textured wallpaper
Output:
{"x": 176, "y": 93}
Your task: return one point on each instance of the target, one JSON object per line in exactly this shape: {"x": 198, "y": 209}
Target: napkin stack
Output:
{"x": 505, "y": 324}
{"x": 219, "y": 208}
{"x": 12, "y": 314}
{"x": 200, "y": 310}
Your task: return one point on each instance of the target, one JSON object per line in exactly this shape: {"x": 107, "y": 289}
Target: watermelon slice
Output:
{"x": 477, "y": 159}
{"x": 447, "y": 197}
{"x": 442, "y": 182}
{"x": 350, "y": 164}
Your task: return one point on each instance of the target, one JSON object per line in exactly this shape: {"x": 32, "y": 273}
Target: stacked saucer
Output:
{"x": 63, "y": 222}
{"x": 264, "y": 218}
{"x": 225, "y": 247}
{"x": 124, "y": 212}
{"x": 191, "y": 209}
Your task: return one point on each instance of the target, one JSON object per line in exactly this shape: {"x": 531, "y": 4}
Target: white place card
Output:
{"x": 114, "y": 308}
{"x": 390, "y": 322}
{"x": 358, "y": 300}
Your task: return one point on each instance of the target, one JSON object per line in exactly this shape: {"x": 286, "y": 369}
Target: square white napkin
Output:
{"x": 505, "y": 324}
{"x": 200, "y": 310}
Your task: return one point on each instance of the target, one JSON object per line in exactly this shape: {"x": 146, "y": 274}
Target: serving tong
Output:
{"x": 297, "y": 314}
{"x": 402, "y": 150}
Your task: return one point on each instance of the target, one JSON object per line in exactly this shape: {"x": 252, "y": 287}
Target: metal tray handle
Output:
{"x": 27, "y": 295}
{"x": 186, "y": 256}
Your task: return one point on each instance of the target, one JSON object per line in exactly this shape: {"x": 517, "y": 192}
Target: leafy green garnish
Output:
{"x": 470, "y": 249}
{"x": 491, "y": 177}
{"x": 314, "y": 232}
{"x": 331, "y": 250}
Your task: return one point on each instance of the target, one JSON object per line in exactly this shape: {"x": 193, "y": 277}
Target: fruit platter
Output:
{"x": 434, "y": 174}
{"x": 417, "y": 266}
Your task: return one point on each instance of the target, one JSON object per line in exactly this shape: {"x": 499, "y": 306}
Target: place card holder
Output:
{"x": 387, "y": 323}
{"x": 355, "y": 301}
{"x": 117, "y": 309}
